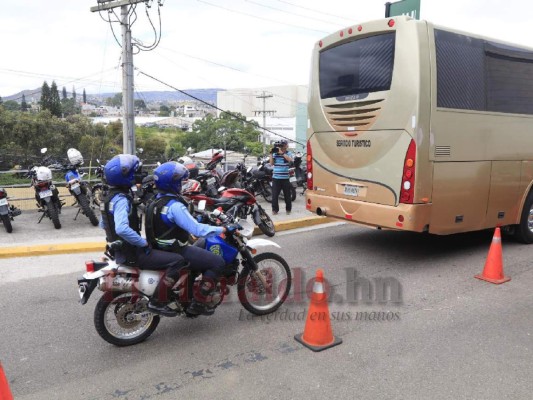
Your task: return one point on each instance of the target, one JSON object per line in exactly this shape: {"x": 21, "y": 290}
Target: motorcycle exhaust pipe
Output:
{"x": 322, "y": 211}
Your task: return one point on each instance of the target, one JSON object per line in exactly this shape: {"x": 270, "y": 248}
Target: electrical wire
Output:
{"x": 261, "y": 18}
{"x": 313, "y": 10}
{"x": 215, "y": 107}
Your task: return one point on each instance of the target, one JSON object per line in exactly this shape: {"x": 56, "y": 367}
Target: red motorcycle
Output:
{"x": 236, "y": 203}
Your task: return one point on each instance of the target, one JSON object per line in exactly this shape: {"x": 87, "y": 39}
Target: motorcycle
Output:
{"x": 7, "y": 212}
{"x": 300, "y": 170}
{"x": 121, "y": 316}
{"x": 234, "y": 202}
{"x": 210, "y": 180}
{"x": 77, "y": 187}
{"x": 46, "y": 193}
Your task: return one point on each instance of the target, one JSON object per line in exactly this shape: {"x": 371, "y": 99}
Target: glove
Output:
{"x": 233, "y": 227}
{"x": 147, "y": 249}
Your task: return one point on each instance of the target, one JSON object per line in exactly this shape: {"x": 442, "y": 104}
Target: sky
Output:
{"x": 224, "y": 44}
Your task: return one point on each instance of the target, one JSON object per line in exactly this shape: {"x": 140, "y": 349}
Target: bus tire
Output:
{"x": 524, "y": 230}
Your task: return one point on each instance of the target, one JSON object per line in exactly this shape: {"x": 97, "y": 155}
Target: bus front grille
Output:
{"x": 353, "y": 116}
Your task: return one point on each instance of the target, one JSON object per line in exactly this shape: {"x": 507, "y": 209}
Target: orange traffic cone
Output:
{"x": 493, "y": 271}
{"x": 5, "y": 393}
{"x": 317, "y": 334}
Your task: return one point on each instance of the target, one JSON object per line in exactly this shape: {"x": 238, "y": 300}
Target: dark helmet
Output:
{"x": 283, "y": 142}
{"x": 120, "y": 170}
{"x": 169, "y": 176}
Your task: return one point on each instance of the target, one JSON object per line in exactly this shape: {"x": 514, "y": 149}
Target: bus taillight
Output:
{"x": 408, "y": 178}
{"x": 309, "y": 164}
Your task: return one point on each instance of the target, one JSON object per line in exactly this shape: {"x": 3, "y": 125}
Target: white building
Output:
{"x": 282, "y": 109}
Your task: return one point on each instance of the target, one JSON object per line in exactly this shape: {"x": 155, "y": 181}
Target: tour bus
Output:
{"x": 417, "y": 127}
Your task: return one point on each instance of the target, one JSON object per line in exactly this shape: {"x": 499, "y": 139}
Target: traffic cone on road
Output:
{"x": 317, "y": 334}
{"x": 493, "y": 271}
{"x": 5, "y": 393}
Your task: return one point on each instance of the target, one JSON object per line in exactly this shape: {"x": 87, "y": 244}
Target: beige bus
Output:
{"x": 421, "y": 128}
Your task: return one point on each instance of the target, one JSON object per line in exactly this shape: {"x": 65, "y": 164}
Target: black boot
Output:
{"x": 198, "y": 307}
{"x": 158, "y": 303}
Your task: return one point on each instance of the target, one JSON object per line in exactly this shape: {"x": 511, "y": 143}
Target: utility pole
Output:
{"x": 128, "y": 132}
{"x": 264, "y": 111}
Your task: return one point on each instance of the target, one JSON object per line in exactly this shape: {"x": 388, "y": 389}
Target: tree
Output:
{"x": 84, "y": 97}
{"x": 233, "y": 130}
{"x": 1, "y": 101}
{"x": 164, "y": 111}
{"x": 74, "y": 93}
{"x": 115, "y": 101}
{"x": 55, "y": 102}
{"x": 12, "y": 105}
{"x": 64, "y": 93}
{"x": 45, "y": 96}
{"x": 23, "y": 105}
{"x": 140, "y": 104}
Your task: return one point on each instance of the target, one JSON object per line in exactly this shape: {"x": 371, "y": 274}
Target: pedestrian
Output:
{"x": 281, "y": 158}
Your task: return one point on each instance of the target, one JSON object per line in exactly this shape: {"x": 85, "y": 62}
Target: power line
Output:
{"x": 291, "y": 13}
{"x": 261, "y": 18}
{"x": 213, "y": 106}
{"x": 313, "y": 10}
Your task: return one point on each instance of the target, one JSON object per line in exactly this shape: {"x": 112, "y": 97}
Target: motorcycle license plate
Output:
{"x": 292, "y": 179}
{"x": 45, "y": 193}
{"x": 350, "y": 190}
{"x": 74, "y": 186}
{"x": 3, "y": 202}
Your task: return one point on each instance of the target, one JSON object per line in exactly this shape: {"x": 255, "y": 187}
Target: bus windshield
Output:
{"x": 359, "y": 66}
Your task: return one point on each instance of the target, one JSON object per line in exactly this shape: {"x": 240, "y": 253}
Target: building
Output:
{"x": 282, "y": 109}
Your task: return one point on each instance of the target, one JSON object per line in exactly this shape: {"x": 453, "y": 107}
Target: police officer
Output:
{"x": 168, "y": 225}
{"x": 121, "y": 222}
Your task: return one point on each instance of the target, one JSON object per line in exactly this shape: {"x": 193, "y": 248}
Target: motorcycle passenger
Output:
{"x": 168, "y": 225}
{"x": 121, "y": 222}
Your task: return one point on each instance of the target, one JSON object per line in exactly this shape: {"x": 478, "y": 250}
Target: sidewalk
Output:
{"x": 78, "y": 236}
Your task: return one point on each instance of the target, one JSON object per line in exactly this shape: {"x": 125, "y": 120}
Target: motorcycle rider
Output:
{"x": 168, "y": 225}
{"x": 121, "y": 222}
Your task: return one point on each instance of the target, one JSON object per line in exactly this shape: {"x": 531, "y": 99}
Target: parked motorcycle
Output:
{"x": 97, "y": 189}
{"x": 77, "y": 187}
{"x": 46, "y": 194}
{"x": 234, "y": 202}
{"x": 7, "y": 212}
{"x": 300, "y": 170}
{"x": 121, "y": 316}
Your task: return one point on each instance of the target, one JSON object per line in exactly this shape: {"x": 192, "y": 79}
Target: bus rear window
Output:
{"x": 361, "y": 66}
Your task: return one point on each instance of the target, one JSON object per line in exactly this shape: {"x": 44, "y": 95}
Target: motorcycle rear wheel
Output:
{"x": 7, "y": 223}
{"x": 267, "y": 191}
{"x": 115, "y": 321}
{"x": 87, "y": 210}
{"x": 257, "y": 299}
{"x": 53, "y": 213}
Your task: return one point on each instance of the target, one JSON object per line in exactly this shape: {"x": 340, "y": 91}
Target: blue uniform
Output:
{"x": 120, "y": 207}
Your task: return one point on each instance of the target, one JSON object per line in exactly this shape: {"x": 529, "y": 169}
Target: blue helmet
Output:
{"x": 169, "y": 176}
{"x": 120, "y": 170}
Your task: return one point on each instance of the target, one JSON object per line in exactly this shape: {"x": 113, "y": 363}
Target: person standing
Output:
{"x": 281, "y": 158}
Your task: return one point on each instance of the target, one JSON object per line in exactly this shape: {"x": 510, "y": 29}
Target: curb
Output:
{"x": 85, "y": 247}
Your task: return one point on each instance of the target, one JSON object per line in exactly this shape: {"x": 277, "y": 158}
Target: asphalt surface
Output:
{"x": 30, "y": 238}
{"x": 452, "y": 336}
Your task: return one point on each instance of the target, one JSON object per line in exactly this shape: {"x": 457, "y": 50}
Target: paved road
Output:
{"x": 453, "y": 336}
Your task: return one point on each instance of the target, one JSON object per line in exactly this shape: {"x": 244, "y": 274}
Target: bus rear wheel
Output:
{"x": 524, "y": 230}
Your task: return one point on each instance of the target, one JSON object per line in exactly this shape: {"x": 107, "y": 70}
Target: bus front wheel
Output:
{"x": 524, "y": 230}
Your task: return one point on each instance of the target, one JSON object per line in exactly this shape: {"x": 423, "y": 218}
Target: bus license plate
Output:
{"x": 351, "y": 190}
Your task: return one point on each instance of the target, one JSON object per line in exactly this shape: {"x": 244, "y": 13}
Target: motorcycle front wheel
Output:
{"x": 265, "y": 223}
{"x": 122, "y": 319}
{"x": 258, "y": 298}
{"x": 267, "y": 191}
{"x": 7, "y": 223}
